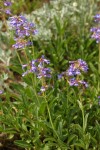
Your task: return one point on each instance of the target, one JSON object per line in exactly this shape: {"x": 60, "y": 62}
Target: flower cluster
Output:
{"x": 6, "y": 7}
{"x": 97, "y": 18}
{"x": 74, "y": 72}
{"x": 23, "y": 29}
{"x": 96, "y": 30}
{"x": 7, "y": 3}
{"x": 76, "y": 67}
{"x": 21, "y": 43}
{"x": 37, "y": 67}
{"x": 76, "y": 82}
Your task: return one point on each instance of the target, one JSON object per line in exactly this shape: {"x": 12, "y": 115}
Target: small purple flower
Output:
{"x": 73, "y": 71}
{"x": 25, "y": 73}
{"x": 7, "y": 3}
{"x": 17, "y": 21}
{"x": 38, "y": 67}
{"x": 24, "y": 66}
{"x": 85, "y": 84}
{"x": 21, "y": 43}
{"x": 60, "y": 76}
{"x": 75, "y": 82}
{"x": 43, "y": 60}
{"x": 43, "y": 72}
{"x": 43, "y": 89}
{"x": 96, "y": 30}
{"x": 26, "y": 29}
{"x": 8, "y": 12}
{"x": 77, "y": 66}
{"x": 35, "y": 31}
{"x": 1, "y": 92}
{"x": 97, "y": 18}
{"x": 22, "y": 27}
{"x": 82, "y": 65}
{"x": 96, "y": 36}
{"x": 98, "y": 97}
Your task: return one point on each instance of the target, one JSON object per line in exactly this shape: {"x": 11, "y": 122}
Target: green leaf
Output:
{"x": 22, "y": 144}
{"x": 80, "y": 145}
{"x": 71, "y": 138}
{"x": 92, "y": 67}
{"x": 85, "y": 121}
{"x": 50, "y": 139}
{"x": 46, "y": 147}
{"x": 24, "y": 127}
{"x": 10, "y": 136}
{"x": 80, "y": 105}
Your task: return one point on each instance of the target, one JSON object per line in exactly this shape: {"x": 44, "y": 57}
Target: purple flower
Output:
{"x": 24, "y": 66}
{"x": 73, "y": 71}
{"x": 7, "y": 11}
{"x": 97, "y": 18}
{"x": 43, "y": 60}
{"x": 22, "y": 27}
{"x": 1, "y": 92}
{"x": 7, "y": 3}
{"x": 76, "y": 67}
{"x": 98, "y": 97}
{"x": 34, "y": 69}
{"x": 38, "y": 67}
{"x": 21, "y": 43}
{"x": 17, "y": 21}
{"x": 82, "y": 65}
{"x": 43, "y": 72}
{"x": 60, "y": 76}
{"x": 75, "y": 82}
{"x": 43, "y": 89}
{"x": 96, "y": 33}
{"x": 96, "y": 30}
{"x": 25, "y": 73}
{"x": 35, "y": 31}
{"x": 85, "y": 84}
{"x": 26, "y": 29}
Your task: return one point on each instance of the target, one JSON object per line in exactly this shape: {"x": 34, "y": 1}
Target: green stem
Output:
{"x": 19, "y": 57}
{"x": 35, "y": 90}
{"x": 32, "y": 48}
{"x": 51, "y": 118}
{"x": 99, "y": 70}
{"x": 26, "y": 55}
{"x": 83, "y": 116}
{"x": 83, "y": 121}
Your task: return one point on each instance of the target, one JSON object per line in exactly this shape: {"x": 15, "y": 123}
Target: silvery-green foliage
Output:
{"x": 76, "y": 12}
{"x": 5, "y": 57}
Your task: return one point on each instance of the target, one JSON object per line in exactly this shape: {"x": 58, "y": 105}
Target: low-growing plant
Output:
{"x": 54, "y": 105}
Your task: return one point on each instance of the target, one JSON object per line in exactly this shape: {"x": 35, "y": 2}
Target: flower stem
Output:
{"x": 19, "y": 58}
{"x": 50, "y": 117}
{"x": 99, "y": 69}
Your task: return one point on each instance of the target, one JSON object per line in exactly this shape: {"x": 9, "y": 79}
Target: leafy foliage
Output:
{"x": 63, "y": 117}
